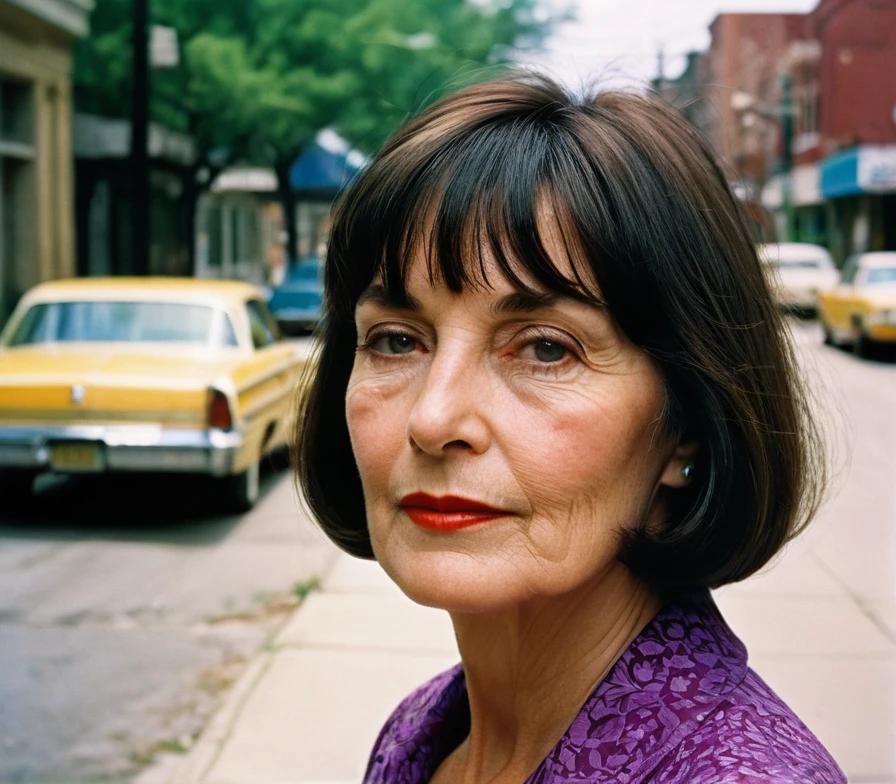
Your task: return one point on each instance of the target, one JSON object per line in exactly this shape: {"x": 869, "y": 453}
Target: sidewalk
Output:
{"x": 309, "y": 707}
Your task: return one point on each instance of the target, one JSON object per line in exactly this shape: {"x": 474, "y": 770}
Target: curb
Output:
{"x": 201, "y": 758}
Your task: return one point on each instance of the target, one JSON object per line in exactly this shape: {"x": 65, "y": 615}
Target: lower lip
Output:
{"x": 448, "y": 521}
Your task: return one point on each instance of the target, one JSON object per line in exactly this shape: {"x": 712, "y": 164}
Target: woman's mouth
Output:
{"x": 447, "y": 512}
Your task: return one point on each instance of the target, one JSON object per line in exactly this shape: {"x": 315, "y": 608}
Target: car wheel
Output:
{"x": 16, "y": 485}
{"x": 279, "y": 459}
{"x": 242, "y": 489}
{"x": 863, "y": 345}
{"x": 828, "y": 335}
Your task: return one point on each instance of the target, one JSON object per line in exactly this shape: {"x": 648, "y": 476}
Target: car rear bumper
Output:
{"x": 804, "y": 299}
{"x": 118, "y": 448}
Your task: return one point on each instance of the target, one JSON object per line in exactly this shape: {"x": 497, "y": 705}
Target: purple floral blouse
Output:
{"x": 679, "y": 706}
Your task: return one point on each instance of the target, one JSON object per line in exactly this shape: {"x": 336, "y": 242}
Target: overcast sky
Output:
{"x": 618, "y": 40}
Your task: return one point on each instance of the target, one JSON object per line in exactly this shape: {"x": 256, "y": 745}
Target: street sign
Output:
{"x": 163, "y": 49}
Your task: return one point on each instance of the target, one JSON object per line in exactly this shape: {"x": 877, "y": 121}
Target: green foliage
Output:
{"x": 259, "y": 78}
{"x": 301, "y": 588}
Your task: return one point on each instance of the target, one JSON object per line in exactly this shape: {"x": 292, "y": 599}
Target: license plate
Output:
{"x": 77, "y": 457}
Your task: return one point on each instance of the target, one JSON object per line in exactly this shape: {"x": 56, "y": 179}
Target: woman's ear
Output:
{"x": 679, "y": 471}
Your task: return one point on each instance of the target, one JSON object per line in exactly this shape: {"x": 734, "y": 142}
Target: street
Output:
{"x": 126, "y": 612}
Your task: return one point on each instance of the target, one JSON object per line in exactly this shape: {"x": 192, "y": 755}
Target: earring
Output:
{"x": 687, "y": 470}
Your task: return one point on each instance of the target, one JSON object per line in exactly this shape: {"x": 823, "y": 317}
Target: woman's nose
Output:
{"x": 447, "y": 414}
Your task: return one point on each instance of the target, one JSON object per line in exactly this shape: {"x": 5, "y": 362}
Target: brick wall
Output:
{"x": 857, "y": 72}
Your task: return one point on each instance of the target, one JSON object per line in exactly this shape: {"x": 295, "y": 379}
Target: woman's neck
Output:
{"x": 530, "y": 669}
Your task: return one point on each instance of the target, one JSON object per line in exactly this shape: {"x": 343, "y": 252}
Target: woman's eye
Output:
{"x": 393, "y": 343}
{"x": 548, "y": 351}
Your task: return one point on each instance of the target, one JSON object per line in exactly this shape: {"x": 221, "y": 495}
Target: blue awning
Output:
{"x": 319, "y": 169}
{"x": 840, "y": 174}
{"x": 869, "y": 168}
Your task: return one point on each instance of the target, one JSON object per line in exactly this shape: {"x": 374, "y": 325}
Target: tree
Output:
{"x": 258, "y": 79}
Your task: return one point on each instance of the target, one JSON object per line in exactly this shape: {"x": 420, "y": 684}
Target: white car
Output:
{"x": 799, "y": 272}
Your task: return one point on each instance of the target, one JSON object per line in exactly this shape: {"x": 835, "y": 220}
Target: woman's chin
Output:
{"x": 454, "y": 581}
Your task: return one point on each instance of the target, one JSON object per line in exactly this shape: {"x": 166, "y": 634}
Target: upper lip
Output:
{"x": 446, "y": 503}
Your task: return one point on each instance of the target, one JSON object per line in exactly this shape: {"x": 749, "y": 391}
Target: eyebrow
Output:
{"x": 517, "y": 302}
{"x": 380, "y": 295}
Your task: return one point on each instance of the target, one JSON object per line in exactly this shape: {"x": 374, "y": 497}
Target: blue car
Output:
{"x": 297, "y": 303}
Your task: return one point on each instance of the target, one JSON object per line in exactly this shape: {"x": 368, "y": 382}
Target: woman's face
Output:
{"x": 537, "y": 408}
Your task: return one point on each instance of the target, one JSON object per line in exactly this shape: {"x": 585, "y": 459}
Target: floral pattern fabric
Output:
{"x": 680, "y": 706}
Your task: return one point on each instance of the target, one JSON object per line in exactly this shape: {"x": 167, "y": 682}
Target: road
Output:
{"x": 126, "y": 609}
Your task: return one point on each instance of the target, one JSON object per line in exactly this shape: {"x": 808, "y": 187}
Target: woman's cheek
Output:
{"x": 370, "y": 408}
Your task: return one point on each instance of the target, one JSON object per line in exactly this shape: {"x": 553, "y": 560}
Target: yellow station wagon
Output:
{"x": 145, "y": 374}
{"x": 861, "y": 311}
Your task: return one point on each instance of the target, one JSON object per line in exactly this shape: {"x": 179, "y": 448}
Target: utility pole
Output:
{"x": 786, "y": 113}
{"x": 139, "y": 139}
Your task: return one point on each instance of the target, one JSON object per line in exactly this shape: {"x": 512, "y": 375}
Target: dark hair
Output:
{"x": 644, "y": 202}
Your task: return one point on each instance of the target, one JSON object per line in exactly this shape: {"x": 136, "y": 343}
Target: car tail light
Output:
{"x": 219, "y": 415}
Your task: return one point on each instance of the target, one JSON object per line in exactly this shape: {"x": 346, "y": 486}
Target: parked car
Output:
{"x": 799, "y": 271}
{"x": 145, "y": 374}
{"x": 298, "y": 301}
{"x": 861, "y": 311}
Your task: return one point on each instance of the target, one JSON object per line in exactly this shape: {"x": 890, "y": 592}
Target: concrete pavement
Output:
{"x": 309, "y": 707}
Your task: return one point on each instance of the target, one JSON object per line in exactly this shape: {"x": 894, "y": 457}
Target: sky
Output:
{"x": 617, "y": 40}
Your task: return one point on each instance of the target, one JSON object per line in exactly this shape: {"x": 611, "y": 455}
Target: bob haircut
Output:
{"x": 647, "y": 210}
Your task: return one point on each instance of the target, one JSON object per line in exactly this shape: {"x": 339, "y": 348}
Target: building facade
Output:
{"x": 36, "y": 188}
{"x": 802, "y": 109}
{"x": 239, "y": 227}
{"x": 744, "y": 92}
{"x": 855, "y": 139}
{"x": 103, "y": 192}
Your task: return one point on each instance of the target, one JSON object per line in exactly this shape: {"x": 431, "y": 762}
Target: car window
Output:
{"x": 101, "y": 321}
{"x": 881, "y": 275}
{"x": 261, "y": 324}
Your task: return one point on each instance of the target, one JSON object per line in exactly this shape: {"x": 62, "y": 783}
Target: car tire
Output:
{"x": 279, "y": 459}
{"x": 863, "y": 346}
{"x": 16, "y": 485}
{"x": 241, "y": 490}
{"x": 828, "y": 335}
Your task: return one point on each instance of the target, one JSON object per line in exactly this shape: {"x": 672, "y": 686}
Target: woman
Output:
{"x": 554, "y": 398}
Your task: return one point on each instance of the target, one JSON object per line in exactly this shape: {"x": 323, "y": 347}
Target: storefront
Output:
{"x": 239, "y": 227}
{"x": 859, "y": 186}
{"x": 36, "y": 205}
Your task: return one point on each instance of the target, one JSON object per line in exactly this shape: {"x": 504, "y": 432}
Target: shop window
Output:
{"x": 16, "y": 117}
{"x": 17, "y": 191}
{"x": 313, "y": 220}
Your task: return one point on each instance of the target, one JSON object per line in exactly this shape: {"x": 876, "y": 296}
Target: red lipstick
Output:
{"x": 447, "y": 512}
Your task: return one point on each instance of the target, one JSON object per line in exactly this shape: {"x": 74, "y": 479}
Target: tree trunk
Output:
{"x": 288, "y": 204}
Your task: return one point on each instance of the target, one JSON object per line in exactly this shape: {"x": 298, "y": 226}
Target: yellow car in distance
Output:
{"x": 145, "y": 374}
{"x": 861, "y": 310}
